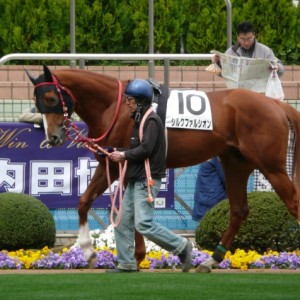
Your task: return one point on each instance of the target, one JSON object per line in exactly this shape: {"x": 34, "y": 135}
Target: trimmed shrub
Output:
{"x": 25, "y": 223}
{"x": 269, "y": 225}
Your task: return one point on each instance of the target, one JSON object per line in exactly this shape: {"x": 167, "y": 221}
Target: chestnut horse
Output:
{"x": 250, "y": 131}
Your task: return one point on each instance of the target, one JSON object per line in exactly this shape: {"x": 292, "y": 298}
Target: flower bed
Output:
{"x": 156, "y": 258}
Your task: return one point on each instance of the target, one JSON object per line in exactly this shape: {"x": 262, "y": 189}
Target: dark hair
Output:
{"x": 245, "y": 27}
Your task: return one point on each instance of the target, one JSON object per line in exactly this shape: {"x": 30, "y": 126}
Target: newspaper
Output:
{"x": 244, "y": 72}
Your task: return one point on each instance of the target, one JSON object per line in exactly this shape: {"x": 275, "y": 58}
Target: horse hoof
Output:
{"x": 203, "y": 269}
{"x": 92, "y": 260}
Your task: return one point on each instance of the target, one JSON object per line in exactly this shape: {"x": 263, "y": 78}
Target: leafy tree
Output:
{"x": 98, "y": 27}
{"x": 138, "y": 10}
{"x": 168, "y": 26}
{"x": 296, "y": 54}
{"x": 36, "y": 26}
{"x": 205, "y": 25}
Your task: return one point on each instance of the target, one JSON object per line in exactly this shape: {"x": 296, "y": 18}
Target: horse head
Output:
{"x": 55, "y": 103}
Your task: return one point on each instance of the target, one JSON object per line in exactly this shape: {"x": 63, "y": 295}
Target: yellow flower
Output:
{"x": 145, "y": 264}
{"x": 208, "y": 252}
{"x": 242, "y": 259}
{"x": 227, "y": 255}
{"x": 271, "y": 252}
{"x": 113, "y": 251}
{"x": 297, "y": 252}
{"x": 29, "y": 256}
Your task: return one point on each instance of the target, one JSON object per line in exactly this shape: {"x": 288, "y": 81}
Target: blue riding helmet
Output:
{"x": 140, "y": 89}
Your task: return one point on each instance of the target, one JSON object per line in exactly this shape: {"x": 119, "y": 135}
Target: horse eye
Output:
{"x": 51, "y": 101}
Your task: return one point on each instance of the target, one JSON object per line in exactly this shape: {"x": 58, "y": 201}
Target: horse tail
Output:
{"x": 294, "y": 121}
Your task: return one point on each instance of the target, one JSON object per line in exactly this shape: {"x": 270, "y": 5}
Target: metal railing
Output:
{"x": 81, "y": 57}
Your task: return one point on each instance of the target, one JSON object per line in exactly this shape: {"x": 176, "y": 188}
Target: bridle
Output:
{"x": 68, "y": 109}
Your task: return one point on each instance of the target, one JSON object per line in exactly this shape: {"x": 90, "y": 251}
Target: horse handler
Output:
{"x": 138, "y": 207}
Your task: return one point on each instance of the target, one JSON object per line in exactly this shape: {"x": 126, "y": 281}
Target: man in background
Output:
{"x": 247, "y": 46}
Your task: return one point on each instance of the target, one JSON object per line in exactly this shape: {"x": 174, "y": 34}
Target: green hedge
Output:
{"x": 25, "y": 223}
{"x": 268, "y": 226}
{"x": 121, "y": 26}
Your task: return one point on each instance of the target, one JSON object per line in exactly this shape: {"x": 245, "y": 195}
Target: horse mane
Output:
{"x": 91, "y": 74}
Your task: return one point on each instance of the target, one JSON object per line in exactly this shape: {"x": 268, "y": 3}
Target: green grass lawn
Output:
{"x": 155, "y": 286}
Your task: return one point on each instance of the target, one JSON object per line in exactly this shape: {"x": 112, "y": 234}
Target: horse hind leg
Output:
{"x": 277, "y": 175}
{"x": 140, "y": 248}
{"x": 237, "y": 172}
{"x": 286, "y": 190}
{"x": 239, "y": 209}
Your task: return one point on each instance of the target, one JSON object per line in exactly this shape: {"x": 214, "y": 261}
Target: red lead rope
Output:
{"x": 147, "y": 164}
{"x": 90, "y": 142}
{"x": 115, "y": 116}
{"x": 122, "y": 172}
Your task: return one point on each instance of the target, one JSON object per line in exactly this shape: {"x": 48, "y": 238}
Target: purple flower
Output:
{"x": 105, "y": 259}
{"x": 199, "y": 257}
{"x": 74, "y": 259}
{"x": 7, "y": 262}
{"x": 155, "y": 263}
{"x": 257, "y": 265}
{"x": 225, "y": 264}
{"x": 172, "y": 261}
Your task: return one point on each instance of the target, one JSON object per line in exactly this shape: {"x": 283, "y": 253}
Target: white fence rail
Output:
{"x": 88, "y": 56}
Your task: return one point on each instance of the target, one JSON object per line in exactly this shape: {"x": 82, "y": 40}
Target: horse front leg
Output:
{"x": 96, "y": 187}
{"x": 237, "y": 174}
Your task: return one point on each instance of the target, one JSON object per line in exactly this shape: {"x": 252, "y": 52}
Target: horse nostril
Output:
{"x": 54, "y": 140}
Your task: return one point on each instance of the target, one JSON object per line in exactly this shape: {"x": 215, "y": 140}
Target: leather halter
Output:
{"x": 67, "y": 106}
{"x": 67, "y": 110}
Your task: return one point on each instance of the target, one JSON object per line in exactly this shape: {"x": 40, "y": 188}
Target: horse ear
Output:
{"x": 47, "y": 74}
{"x": 32, "y": 79}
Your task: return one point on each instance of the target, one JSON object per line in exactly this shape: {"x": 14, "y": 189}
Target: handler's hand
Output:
{"x": 215, "y": 59}
{"x": 273, "y": 67}
{"x": 117, "y": 156}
